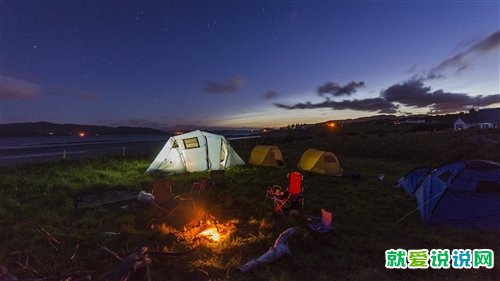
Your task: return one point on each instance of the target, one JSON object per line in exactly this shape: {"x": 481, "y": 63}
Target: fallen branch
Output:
{"x": 60, "y": 248}
{"x": 41, "y": 266}
{"x": 52, "y": 266}
{"x": 28, "y": 267}
{"x": 136, "y": 265}
{"x": 74, "y": 252}
{"x": 52, "y": 241}
{"x": 111, "y": 254}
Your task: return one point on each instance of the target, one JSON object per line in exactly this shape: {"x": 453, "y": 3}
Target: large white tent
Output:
{"x": 195, "y": 151}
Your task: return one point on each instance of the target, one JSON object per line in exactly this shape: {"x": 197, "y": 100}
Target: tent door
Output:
{"x": 195, "y": 156}
{"x": 214, "y": 151}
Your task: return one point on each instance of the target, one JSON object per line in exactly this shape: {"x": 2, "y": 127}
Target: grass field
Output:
{"x": 365, "y": 213}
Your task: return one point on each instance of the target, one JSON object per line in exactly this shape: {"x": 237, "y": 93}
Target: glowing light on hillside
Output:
{"x": 81, "y": 134}
{"x": 331, "y": 125}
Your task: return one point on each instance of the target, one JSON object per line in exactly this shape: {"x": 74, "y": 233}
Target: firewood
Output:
{"x": 123, "y": 271}
{"x": 111, "y": 254}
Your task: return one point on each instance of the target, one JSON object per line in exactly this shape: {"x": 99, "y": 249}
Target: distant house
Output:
{"x": 482, "y": 119}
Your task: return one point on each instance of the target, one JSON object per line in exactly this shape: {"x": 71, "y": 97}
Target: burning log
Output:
{"x": 279, "y": 249}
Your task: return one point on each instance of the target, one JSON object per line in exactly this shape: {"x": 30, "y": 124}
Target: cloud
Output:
{"x": 16, "y": 89}
{"x": 411, "y": 69}
{"x": 336, "y": 90}
{"x": 432, "y": 76}
{"x": 227, "y": 87}
{"x": 415, "y": 94}
{"x": 461, "y": 60}
{"x": 412, "y": 93}
{"x": 379, "y": 105}
{"x": 271, "y": 95}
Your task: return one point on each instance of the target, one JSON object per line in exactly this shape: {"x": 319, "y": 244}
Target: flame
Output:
{"x": 210, "y": 233}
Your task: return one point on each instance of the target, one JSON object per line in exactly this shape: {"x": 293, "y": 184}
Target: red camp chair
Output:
{"x": 291, "y": 198}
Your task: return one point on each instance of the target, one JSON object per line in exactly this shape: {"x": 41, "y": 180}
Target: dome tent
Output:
{"x": 463, "y": 193}
{"x": 320, "y": 162}
{"x": 266, "y": 155}
{"x": 195, "y": 151}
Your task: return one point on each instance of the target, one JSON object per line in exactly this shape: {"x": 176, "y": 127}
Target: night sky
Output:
{"x": 244, "y": 64}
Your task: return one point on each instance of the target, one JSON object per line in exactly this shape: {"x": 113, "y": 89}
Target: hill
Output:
{"x": 33, "y": 129}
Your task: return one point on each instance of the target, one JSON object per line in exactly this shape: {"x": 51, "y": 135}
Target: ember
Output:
{"x": 211, "y": 233}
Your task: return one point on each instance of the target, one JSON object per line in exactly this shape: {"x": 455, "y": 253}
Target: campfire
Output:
{"x": 208, "y": 233}
{"x": 209, "y": 230}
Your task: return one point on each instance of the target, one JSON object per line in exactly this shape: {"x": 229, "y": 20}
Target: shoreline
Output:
{"x": 38, "y": 155}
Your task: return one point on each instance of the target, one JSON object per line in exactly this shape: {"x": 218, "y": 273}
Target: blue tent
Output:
{"x": 464, "y": 193}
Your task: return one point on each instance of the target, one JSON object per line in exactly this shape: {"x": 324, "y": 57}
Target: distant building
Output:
{"x": 482, "y": 119}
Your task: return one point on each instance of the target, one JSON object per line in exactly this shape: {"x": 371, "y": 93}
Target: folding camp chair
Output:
{"x": 291, "y": 198}
{"x": 323, "y": 224}
{"x": 273, "y": 191}
{"x": 162, "y": 191}
{"x": 200, "y": 185}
